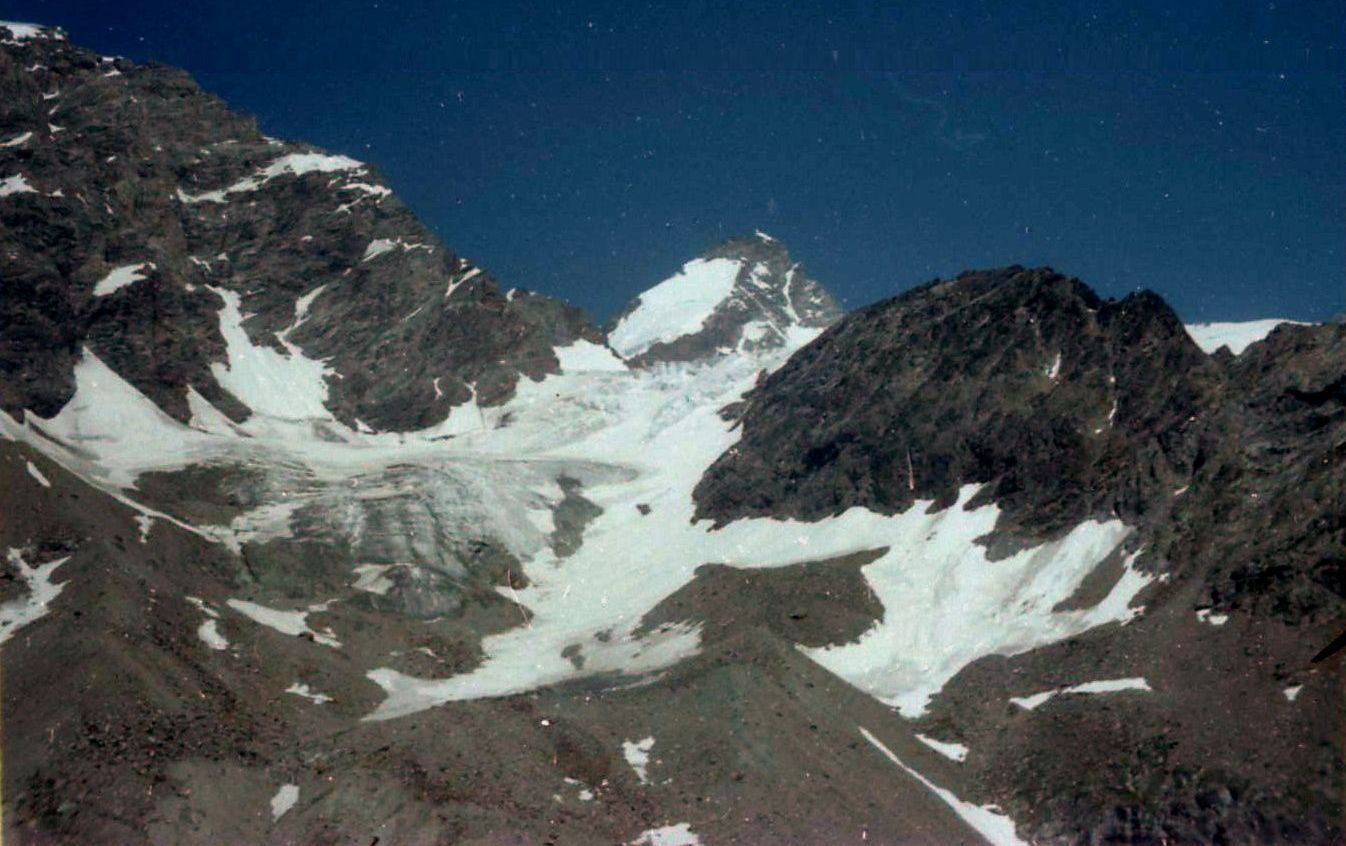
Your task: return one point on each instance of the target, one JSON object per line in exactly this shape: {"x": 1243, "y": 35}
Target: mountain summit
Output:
{"x": 744, "y": 294}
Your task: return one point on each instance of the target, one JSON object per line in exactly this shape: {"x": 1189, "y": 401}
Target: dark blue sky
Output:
{"x": 587, "y": 150}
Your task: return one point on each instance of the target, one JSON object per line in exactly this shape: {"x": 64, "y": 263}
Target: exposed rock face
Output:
{"x": 745, "y": 294}
{"x": 1068, "y": 406}
{"x": 134, "y": 167}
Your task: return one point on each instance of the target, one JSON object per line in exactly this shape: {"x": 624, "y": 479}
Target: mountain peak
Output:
{"x": 745, "y": 293}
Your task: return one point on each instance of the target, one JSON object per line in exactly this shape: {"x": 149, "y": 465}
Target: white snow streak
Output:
{"x": 987, "y": 820}
{"x": 371, "y": 578}
{"x": 37, "y": 474}
{"x": 952, "y": 751}
{"x": 379, "y": 246}
{"x": 1028, "y": 703}
{"x": 297, "y": 164}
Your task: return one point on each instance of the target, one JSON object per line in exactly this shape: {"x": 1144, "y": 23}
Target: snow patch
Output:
{"x": 17, "y": 613}
{"x": 128, "y": 433}
{"x": 1237, "y": 336}
{"x": 952, "y": 751}
{"x": 1028, "y": 703}
{"x": 366, "y": 189}
{"x": 17, "y": 184}
{"x": 1209, "y": 617}
{"x": 678, "y": 834}
{"x": 968, "y": 605}
{"x": 37, "y": 474}
{"x": 18, "y": 140}
{"x": 290, "y": 387}
{"x": 379, "y": 246}
{"x": 284, "y": 800}
{"x": 293, "y": 623}
{"x": 465, "y": 274}
{"x": 209, "y": 634}
{"x": 676, "y": 307}
{"x": 987, "y": 820}
{"x": 145, "y": 523}
{"x": 1292, "y": 693}
{"x": 637, "y": 754}
{"x": 301, "y": 307}
{"x": 120, "y": 277}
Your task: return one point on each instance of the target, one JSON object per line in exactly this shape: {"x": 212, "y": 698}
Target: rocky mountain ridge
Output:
{"x": 152, "y": 209}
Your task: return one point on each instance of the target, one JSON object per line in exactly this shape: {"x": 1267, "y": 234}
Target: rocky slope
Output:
{"x": 326, "y": 541}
